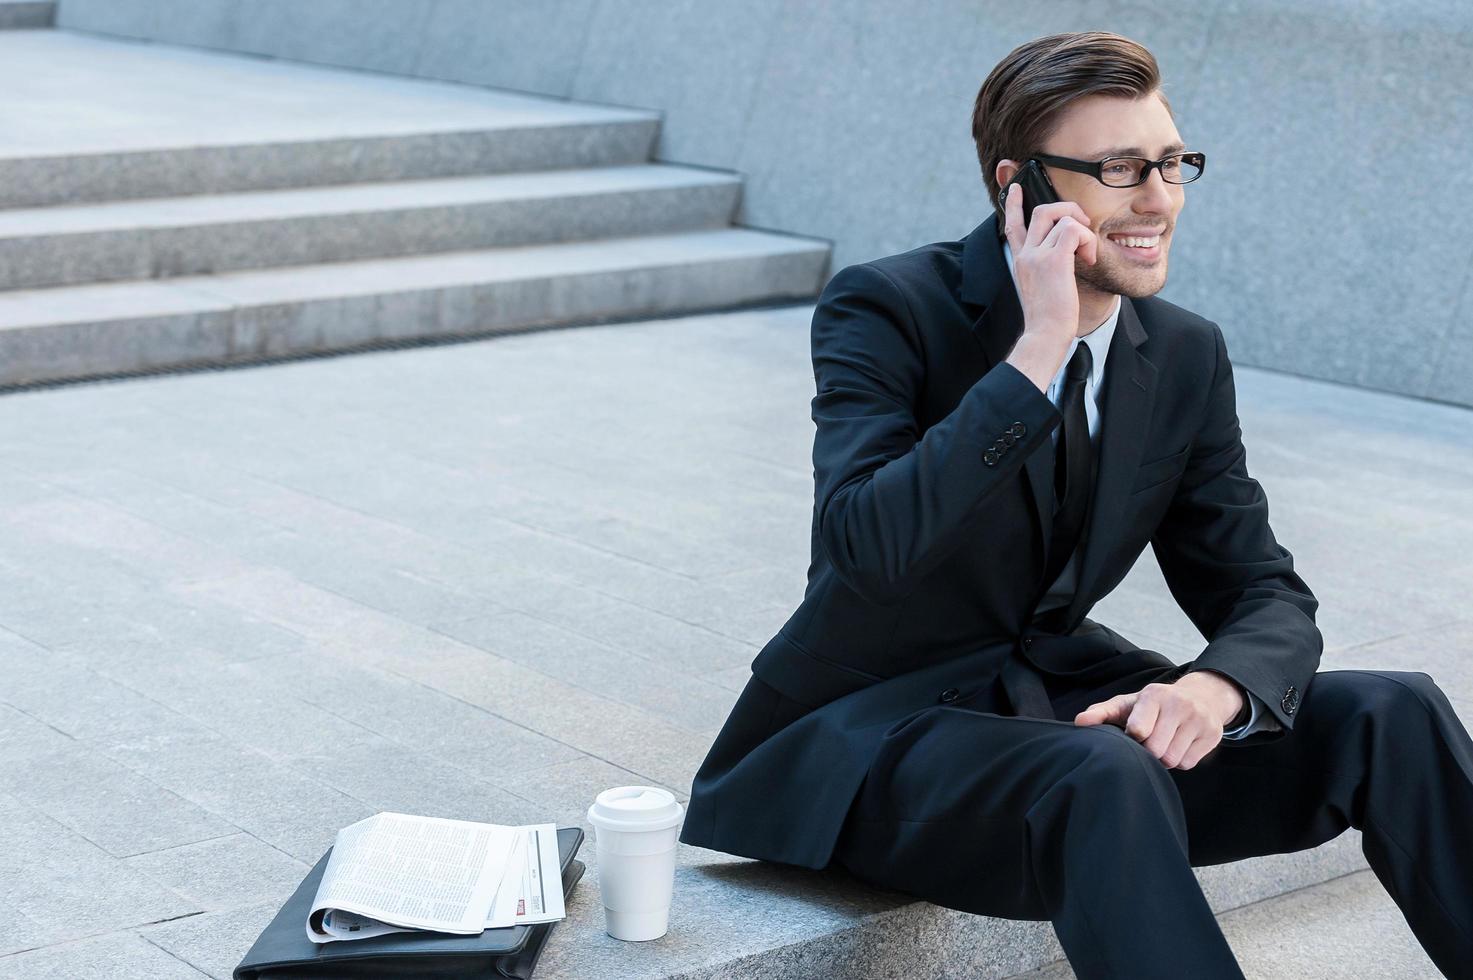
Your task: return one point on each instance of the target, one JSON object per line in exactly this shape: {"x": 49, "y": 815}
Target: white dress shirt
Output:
{"x": 1061, "y": 591}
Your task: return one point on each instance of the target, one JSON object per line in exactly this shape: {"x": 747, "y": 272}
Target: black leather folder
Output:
{"x": 283, "y": 951}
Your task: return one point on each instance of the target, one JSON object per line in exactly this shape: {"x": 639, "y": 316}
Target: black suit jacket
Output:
{"x": 932, "y": 515}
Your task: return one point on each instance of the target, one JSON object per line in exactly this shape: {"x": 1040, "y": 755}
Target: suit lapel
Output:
{"x": 1125, "y": 404}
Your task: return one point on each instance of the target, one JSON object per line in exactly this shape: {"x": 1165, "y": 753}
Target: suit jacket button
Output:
{"x": 950, "y": 694}
{"x": 999, "y": 445}
{"x": 1009, "y": 438}
{"x": 990, "y": 457}
{"x": 1027, "y": 642}
{"x": 1290, "y": 701}
{"x": 1018, "y": 429}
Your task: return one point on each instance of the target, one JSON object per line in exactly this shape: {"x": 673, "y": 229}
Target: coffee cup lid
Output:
{"x": 633, "y": 808}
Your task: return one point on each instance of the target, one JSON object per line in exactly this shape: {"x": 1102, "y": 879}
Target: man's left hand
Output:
{"x": 1180, "y": 722}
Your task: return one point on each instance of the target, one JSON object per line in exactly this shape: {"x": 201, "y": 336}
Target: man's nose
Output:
{"x": 1155, "y": 193}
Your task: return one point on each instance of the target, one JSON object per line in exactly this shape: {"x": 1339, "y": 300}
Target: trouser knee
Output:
{"x": 1114, "y": 789}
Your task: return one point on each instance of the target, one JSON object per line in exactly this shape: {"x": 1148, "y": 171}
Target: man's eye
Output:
{"x": 1117, "y": 168}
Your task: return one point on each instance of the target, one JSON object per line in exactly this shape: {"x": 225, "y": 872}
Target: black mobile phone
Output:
{"x": 1037, "y": 189}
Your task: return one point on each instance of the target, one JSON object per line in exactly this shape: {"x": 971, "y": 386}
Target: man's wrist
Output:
{"x": 1241, "y": 718}
{"x": 1036, "y": 359}
{"x": 1244, "y": 710}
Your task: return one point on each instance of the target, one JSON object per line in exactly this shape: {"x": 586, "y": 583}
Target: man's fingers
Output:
{"x": 1078, "y": 213}
{"x": 1071, "y": 235}
{"x": 1158, "y": 718}
{"x": 1060, "y": 231}
{"x": 1045, "y": 221}
{"x": 1095, "y": 713}
{"x": 1142, "y": 721}
{"x": 1013, "y": 217}
{"x": 1199, "y": 749}
{"x": 1046, "y": 218}
{"x": 1112, "y": 711}
{"x": 1181, "y": 743}
{"x": 1089, "y": 250}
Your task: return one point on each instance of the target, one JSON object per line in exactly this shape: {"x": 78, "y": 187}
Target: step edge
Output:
{"x": 218, "y": 299}
{"x": 680, "y": 179}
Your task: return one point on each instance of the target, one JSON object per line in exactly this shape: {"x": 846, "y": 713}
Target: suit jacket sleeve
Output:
{"x": 1228, "y": 573}
{"x": 890, "y": 501}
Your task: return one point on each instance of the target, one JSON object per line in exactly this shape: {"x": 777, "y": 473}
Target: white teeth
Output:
{"x": 1138, "y": 242}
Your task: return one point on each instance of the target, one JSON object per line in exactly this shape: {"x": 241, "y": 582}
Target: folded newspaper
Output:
{"x": 396, "y": 872}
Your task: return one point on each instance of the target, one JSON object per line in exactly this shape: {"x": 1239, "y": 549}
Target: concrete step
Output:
{"x": 165, "y": 207}
{"x": 26, "y": 14}
{"x": 1347, "y": 928}
{"x": 129, "y": 120}
{"x": 82, "y": 331}
{"x": 738, "y": 918}
{"x": 195, "y": 235}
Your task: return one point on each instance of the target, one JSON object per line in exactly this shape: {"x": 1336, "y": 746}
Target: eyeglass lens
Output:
{"x": 1126, "y": 171}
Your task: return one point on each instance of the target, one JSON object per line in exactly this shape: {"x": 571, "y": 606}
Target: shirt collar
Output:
{"x": 1098, "y": 339}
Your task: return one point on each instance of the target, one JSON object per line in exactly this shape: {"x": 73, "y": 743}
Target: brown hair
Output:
{"x": 1018, "y": 107}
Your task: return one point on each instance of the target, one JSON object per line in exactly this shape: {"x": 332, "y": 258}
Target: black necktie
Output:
{"x": 1074, "y": 467}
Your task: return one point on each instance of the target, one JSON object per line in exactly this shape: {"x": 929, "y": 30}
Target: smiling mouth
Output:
{"x": 1138, "y": 253}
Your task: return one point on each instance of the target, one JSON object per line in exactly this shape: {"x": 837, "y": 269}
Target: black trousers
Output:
{"x": 1029, "y": 818}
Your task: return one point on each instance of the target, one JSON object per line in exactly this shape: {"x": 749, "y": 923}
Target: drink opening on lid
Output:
{"x": 635, "y": 808}
{"x": 636, "y": 796}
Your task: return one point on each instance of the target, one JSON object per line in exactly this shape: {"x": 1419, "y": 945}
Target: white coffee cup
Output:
{"x": 636, "y": 830}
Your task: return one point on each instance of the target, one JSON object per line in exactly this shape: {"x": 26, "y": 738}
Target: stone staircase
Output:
{"x": 163, "y": 207}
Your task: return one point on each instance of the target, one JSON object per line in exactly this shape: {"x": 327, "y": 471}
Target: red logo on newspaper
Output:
{"x": 521, "y": 906}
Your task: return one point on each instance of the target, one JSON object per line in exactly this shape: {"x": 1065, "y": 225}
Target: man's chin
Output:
{"x": 1145, "y": 287}
{"x": 1135, "y": 283}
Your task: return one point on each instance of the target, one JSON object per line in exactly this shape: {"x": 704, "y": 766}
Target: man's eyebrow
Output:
{"x": 1136, "y": 151}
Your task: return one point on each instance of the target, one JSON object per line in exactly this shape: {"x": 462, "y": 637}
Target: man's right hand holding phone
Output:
{"x": 1043, "y": 261}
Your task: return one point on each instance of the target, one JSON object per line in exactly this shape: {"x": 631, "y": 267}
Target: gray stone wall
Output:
{"x": 1326, "y": 237}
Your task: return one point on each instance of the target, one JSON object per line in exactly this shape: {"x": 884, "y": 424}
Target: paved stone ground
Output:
{"x": 241, "y": 610}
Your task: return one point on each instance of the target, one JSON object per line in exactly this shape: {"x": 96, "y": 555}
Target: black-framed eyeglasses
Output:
{"x": 1177, "y": 168}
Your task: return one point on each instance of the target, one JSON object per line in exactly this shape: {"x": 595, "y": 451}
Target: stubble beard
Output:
{"x": 1115, "y": 278}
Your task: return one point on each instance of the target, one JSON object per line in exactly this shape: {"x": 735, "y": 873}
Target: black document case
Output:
{"x": 283, "y": 951}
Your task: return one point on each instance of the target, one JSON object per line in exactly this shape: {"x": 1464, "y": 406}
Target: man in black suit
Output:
{"x": 1003, "y": 424}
